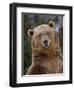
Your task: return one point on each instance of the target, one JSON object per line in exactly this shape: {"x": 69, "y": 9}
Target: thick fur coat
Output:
{"x": 45, "y": 59}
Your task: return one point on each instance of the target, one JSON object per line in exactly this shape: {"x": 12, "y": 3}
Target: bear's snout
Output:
{"x": 45, "y": 44}
{"x": 45, "y": 41}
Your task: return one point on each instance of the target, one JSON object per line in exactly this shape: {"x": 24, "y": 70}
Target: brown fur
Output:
{"x": 46, "y": 61}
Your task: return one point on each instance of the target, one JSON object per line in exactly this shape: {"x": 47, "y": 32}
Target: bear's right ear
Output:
{"x": 30, "y": 32}
{"x": 51, "y": 24}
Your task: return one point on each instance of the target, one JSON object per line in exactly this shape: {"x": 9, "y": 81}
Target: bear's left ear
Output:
{"x": 30, "y": 32}
{"x": 51, "y": 24}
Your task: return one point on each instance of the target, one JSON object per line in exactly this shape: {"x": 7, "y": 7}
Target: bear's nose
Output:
{"x": 45, "y": 41}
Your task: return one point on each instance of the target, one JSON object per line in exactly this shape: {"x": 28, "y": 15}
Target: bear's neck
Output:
{"x": 42, "y": 56}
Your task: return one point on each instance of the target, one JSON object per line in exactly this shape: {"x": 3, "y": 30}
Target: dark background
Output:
{"x": 30, "y": 21}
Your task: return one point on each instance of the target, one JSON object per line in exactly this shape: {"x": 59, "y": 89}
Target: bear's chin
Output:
{"x": 46, "y": 47}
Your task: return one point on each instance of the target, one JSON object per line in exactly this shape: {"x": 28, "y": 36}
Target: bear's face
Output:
{"x": 42, "y": 36}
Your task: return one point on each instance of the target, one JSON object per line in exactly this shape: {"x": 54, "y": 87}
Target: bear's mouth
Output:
{"x": 46, "y": 45}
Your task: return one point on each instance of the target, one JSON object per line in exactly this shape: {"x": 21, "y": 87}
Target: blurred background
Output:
{"x": 30, "y": 21}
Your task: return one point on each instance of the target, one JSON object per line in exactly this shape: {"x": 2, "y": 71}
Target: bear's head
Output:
{"x": 43, "y": 36}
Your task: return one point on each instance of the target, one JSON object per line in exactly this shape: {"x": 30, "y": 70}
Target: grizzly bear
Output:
{"x": 46, "y": 53}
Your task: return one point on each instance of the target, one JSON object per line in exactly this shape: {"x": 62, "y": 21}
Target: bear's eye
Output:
{"x": 39, "y": 35}
{"x": 48, "y": 34}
